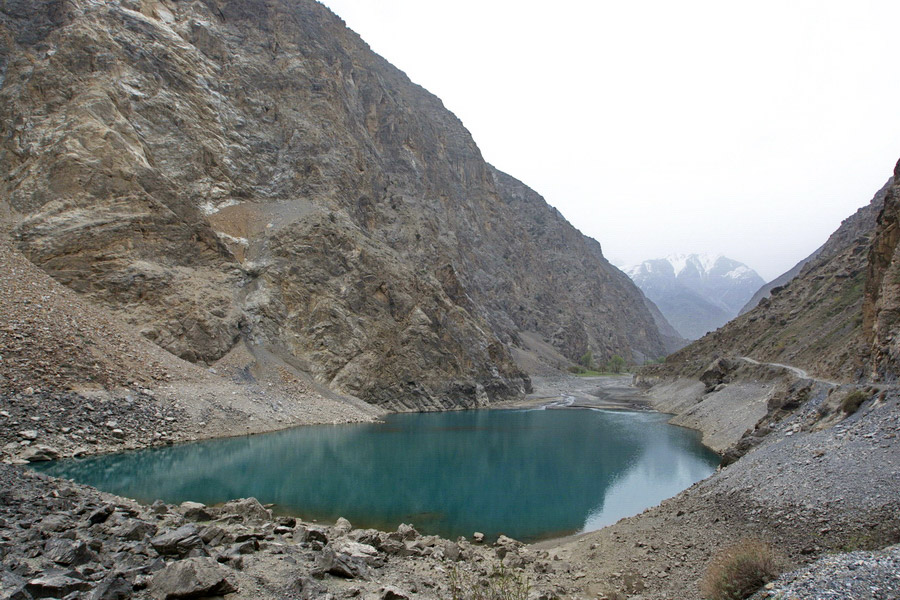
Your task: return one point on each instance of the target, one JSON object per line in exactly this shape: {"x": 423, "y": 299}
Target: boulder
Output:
{"x": 101, "y": 514}
{"x": 40, "y": 453}
{"x": 55, "y": 585}
{"x": 177, "y": 542}
{"x": 195, "y": 511}
{"x": 339, "y": 565}
{"x": 112, "y": 588}
{"x": 13, "y": 586}
{"x": 405, "y": 533}
{"x": 191, "y": 578}
{"x": 68, "y": 552}
{"x": 342, "y": 526}
{"x": 363, "y": 552}
{"x": 249, "y": 509}
{"x": 135, "y": 530}
{"x": 390, "y": 592}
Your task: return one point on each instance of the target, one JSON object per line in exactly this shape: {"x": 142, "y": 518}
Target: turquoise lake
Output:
{"x": 529, "y": 474}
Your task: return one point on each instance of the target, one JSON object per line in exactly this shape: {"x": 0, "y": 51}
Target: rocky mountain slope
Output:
{"x": 696, "y": 293}
{"x": 786, "y": 277}
{"x": 220, "y": 174}
{"x": 814, "y": 322}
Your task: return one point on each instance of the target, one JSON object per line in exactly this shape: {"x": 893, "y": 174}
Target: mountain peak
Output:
{"x": 696, "y": 292}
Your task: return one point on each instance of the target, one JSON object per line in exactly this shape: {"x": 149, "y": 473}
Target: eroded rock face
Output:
{"x": 219, "y": 171}
{"x": 881, "y": 308}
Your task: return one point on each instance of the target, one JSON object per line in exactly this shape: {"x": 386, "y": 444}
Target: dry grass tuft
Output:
{"x": 738, "y": 571}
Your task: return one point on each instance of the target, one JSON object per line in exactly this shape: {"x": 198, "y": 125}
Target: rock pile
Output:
{"x": 63, "y": 540}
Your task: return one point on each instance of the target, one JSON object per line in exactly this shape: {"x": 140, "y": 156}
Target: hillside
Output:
{"x": 696, "y": 293}
{"x": 251, "y": 173}
{"x": 785, "y": 277}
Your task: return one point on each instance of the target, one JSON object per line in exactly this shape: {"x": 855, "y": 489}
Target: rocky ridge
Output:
{"x": 221, "y": 174}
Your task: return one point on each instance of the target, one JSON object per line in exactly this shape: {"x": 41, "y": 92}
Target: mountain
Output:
{"x": 249, "y": 177}
{"x": 817, "y": 321}
{"x": 785, "y": 277}
{"x": 696, "y": 293}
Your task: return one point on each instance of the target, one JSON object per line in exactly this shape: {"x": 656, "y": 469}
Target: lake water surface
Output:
{"x": 529, "y": 474}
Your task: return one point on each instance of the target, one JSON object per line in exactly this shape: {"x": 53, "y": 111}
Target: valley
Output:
{"x": 227, "y": 218}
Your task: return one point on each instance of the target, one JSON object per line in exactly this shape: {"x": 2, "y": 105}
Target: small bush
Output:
{"x": 738, "y": 571}
{"x": 852, "y": 401}
{"x": 501, "y": 584}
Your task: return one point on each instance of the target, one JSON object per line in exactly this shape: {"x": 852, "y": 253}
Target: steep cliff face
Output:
{"x": 814, "y": 321}
{"x": 881, "y": 306}
{"x": 217, "y": 171}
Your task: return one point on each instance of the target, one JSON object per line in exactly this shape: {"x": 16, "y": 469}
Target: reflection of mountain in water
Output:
{"x": 527, "y": 474}
{"x": 659, "y": 473}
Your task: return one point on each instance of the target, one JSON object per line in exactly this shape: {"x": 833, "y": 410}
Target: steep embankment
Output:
{"x": 226, "y": 172}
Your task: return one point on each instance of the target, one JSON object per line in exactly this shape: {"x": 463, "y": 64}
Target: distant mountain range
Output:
{"x": 697, "y": 293}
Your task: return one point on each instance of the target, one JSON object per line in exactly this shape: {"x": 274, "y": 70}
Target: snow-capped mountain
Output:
{"x": 697, "y": 293}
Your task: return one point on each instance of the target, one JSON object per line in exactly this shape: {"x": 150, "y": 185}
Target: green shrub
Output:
{"x": 740, "y": 570}
{"x": 852, "y": 401}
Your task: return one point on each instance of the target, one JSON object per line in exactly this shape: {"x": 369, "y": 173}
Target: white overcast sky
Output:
{"x": 749, "y": 129}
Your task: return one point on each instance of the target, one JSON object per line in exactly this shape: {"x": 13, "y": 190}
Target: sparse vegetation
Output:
{"x": 852, "y": 401}
{"x": 501, "y": 584}
{"x": 587, "y": 360}
{"x": 616, "y": 364}
{"x": 739, "y": 570}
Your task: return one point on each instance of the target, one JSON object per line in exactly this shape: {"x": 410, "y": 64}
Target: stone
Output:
{"x": 177, "y": 542}
{"x": 311, "y": 534}
{"x": 310, "y": 589}
{"x": 390, "y": 592}
{"x": 343, "y": 526}
{"x": 68, "y": 552}
{"x": 112, "y": 588}
{"x": 56, "y": 523}
{"x": 13, "y": 586}
{"x": 101, "y": 514}
{"x": 28, "y": 434}
{"x": 339, "y": 565}
{"x": 159, "y": 507}
{"x": 478, "y": 537}
{"x": 195, "y": 511}
{"x": 40, "y": 453}
{"x": 405, "y": 532}
{"x": 191, "y": 578}
{"x": 249, "y": 509}
{"x": 356, "y": 550}
{"x": 55, "y": 585}
{"x": 136, "y": 530}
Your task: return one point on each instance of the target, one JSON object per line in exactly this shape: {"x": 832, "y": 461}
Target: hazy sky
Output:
{"x": 749, "y": 129}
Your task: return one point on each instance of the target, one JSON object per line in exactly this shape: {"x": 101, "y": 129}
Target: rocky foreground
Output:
{"x": 63, "y": 540}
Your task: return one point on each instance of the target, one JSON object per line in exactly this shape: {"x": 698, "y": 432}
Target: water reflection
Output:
{"x": 528, "y": 474}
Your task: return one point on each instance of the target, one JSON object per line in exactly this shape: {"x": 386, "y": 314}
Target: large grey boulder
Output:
{"x": 68, "y": 552}
{"x": 191, "y": 578}
{"x": 177, "y": 542}
{"x": 40, "y": 453}
{"x": 249, "y": 509}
